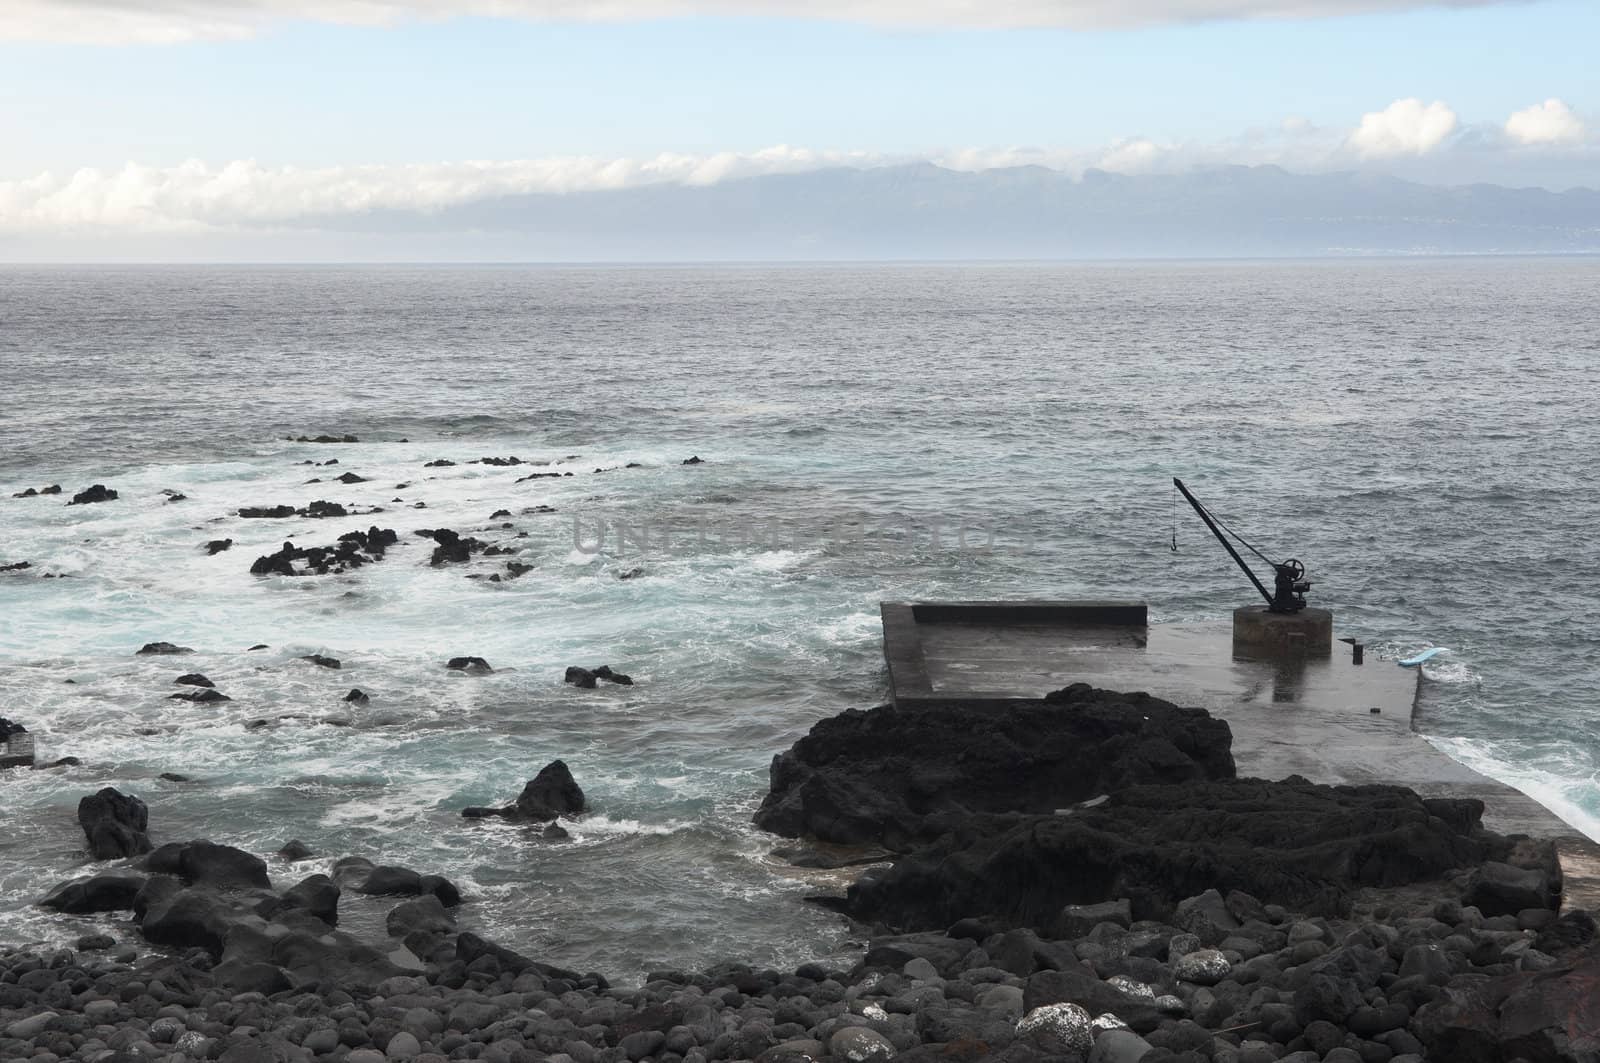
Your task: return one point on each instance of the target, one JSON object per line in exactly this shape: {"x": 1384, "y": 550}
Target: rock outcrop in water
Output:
{"x": 16, "y": 745}
{"x": 353, "y": 550}
{"x": 114, "y": 824}
{"x": 96, "y": 493}
{"x": 895, "y": 777}
{"x": 156, "y": 649}
{"x": 548, "y": 795}
{"x": 452, "y": 547}
{"x": 35, "y": 492}
{"x": 586, "y": 677}
{"x": 204, "y": 863}
{"x": 360, "y": 875}
{"x": 319, "y": 509}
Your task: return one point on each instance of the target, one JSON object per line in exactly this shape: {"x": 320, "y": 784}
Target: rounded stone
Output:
{"x": 403, "y": 1045}
{"x": 1131, "y": 987}
{"x": 31, "y": 1027}
{"x": 321, "y": 1042}
{"x": 1205, "y": 967}
{"x": 1062, "y": 1027}
{"x": 1003, "y": 998}
{"x": 1182, "y": 945}
{"x": 859, "y": 1044}
{"x": 1118, "y": 1046}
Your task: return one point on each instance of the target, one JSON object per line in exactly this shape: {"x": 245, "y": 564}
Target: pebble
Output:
{"x": 859, "y": 1044}
{"x": 1061, "y": 1027}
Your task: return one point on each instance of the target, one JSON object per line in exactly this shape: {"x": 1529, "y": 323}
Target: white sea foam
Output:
{"x": 1575, "y": 800}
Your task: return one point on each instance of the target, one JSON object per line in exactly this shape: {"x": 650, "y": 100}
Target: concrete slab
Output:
{"x": 1312, "y": 717}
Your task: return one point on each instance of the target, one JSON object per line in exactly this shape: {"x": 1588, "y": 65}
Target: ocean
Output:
{"x": 1419, "y": 432}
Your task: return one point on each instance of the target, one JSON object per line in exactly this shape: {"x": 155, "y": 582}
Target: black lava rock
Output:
{"x": 114, "y": 824}
{"x": 160, "y": 648}
{"x": 892, "y": 777}
{"x": 97, "y": 493}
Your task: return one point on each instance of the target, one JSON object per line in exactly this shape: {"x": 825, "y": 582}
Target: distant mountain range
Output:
{"x": 923, "y": 211}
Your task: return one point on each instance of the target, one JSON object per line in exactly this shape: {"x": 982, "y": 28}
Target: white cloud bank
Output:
{"x": 244, "y": 194}
{"x": 176, "y": 21}
{"x": 194, "y": 197}
{"x": 1550, "y": 122}
{"x": 1405, "y": 127}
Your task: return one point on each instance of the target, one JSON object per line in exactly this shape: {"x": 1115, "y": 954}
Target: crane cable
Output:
{"x": 1221, "y": 524}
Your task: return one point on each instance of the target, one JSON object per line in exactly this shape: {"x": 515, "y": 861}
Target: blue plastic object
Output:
{"x": 1425, "y": 655}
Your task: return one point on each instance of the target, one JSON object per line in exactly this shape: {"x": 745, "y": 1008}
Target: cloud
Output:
{"x": 175, "y": 21}
{"x": 1405, "y": 127}
{"x": 1550, "y": 122}
{"x": 193, "y": 196}
{"x": 1421, "y": 142}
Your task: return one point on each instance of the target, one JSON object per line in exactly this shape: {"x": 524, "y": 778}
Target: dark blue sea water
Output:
{"x": 1420, "y": 433}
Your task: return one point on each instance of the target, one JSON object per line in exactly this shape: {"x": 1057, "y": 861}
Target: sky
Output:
{"x": 151, "y": 116}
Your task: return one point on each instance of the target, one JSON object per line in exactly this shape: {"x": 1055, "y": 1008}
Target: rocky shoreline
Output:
{"x": 1081, "y": 878}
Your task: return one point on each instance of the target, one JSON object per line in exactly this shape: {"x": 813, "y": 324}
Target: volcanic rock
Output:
{"x": 354, "y": 549}
{"x": 321, "y": 509}
{"x": 1292, "y": 843}
{"x": 586, "y": 677}
{"x": 216, "y": 546}
{"x": 471, "y": 665}
{"x": 295, "y": 849}
{"x": 317, "y": 894}
{"x": 194, "y": 679}
{"x": 322, "y": 661}
{"x": 1539, "y": 1016}
{"x": 94, "y": 893}
{"x": 1500, "y": 889}
{"x": 895, "y": 777}
{"x": 202, "y": 696}
{"x": 158, "y": 648}
{"x": 203, "y": 863}
{"x": 360, "y": 875}
{"x": 548, "y": 795}
{"x": 452, "y": 547}
{"x": 114, "y": 824}
{"x": 97, "y": 493}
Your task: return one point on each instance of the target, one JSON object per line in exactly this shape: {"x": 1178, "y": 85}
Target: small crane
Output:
{"x": 1289, "y": 585}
